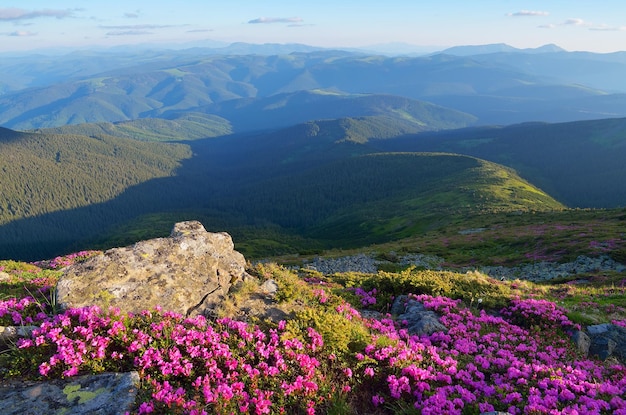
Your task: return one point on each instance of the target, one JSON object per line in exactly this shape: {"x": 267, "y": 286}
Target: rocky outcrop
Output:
{"x": 367, "y": 264}
{"x": 104, "y": 394}
{"x": 417, "y": 319}
{"x": 189, "y": 273}
{"x": 545, "y": 271}
{"x": 607, "y": 340}
{"x": 538, "y": 271}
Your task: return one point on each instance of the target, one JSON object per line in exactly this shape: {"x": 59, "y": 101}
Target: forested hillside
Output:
{"x": 43, "y": 173}
{"x": 188, "y": 126}
{"x": 292, "y": 189}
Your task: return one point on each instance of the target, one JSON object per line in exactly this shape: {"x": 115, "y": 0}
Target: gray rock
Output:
{"x": 9, "y": 335}
{"x": 545, "y": 270}
{"x": 582, "y": 342}
{"x": 270, "y": 287}
{"x": 608, "y": 340}
{"x": 189, "y": 273}
{"x": 599, "y": 328}
{"x": 356, "y": 263}
{"x": 104, "y": 394}
{"x": 602, "y": 347}
{"x": 419, "y": 320}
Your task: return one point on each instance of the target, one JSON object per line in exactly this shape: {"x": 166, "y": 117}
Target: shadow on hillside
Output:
{"x": 197, "y": 182}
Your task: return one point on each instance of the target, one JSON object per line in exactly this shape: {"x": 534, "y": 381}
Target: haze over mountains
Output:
{"x": 503, "y": 87}
{"x": 293, "y": 148}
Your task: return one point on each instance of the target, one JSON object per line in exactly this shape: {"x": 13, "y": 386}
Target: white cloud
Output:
{"x": 607, "y": 28}
{"x": 276, "y": 20}
{"x": 14, "y": 14}
{"x": 129, "y": 33}
{"x": 575, "y": 22}
{"x": 529, "y": 13}
{"x": 20, "y": 33}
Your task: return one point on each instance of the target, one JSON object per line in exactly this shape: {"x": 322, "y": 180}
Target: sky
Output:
{"x": 589, "y": 25}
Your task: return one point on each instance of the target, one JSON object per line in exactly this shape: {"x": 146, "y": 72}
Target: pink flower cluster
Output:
{"x": 191, "y": 365}
{"x": 367, "y": 298}
{"x": 66, "y": 260}
{"x": 321, "y": 295}
{"x": 25, "y": 311}
{"x": 521, "y": 361}
{"x": 486, "y": 363}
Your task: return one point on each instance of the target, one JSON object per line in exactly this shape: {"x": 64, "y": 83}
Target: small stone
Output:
{"x": 269, "y": 287}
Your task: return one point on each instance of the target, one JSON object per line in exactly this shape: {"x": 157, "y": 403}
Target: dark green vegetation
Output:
{"x": 185, "y": 127}
{"x": 44, "y": 173}
{"x": 312, "y": 186}
{"x": 333, "y": 198}
{"x": 46, "y": 176}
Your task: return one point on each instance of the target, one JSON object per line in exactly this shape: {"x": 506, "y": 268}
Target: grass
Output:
{"x": 523, "y": 237}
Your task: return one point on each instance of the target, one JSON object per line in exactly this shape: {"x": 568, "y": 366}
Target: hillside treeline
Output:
{"x": 43, "y": 173}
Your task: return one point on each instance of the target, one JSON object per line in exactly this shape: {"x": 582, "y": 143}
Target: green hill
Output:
{"x": 379, "y": 197}
{"x": 287, "y": 109}
{"x": 380, "y": 116}
{"x": 580, "y": 163}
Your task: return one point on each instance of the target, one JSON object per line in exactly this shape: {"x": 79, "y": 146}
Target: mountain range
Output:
{"x": 497, "y": 84}
{"x": 304, "y": 150}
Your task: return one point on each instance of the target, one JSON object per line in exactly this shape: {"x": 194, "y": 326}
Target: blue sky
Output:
{"x": 592, "y": 25}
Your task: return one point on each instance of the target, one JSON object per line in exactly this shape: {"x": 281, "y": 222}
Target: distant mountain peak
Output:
{"x": 469, "y": 50}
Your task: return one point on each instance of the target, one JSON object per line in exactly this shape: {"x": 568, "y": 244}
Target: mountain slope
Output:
{"x": 188, "y": 126}
{"x": 579, "y": 163}
{"x": 397, "y": 115}
{"x": 385, "y": 196}
{"x": 252, "y": 185}
{"x": 286, "y": 109}
{"x": 42, "y": 173}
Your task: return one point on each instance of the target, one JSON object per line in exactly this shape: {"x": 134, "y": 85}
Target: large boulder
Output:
{"x": 103, "y": 394}
{"x": 189, "y": 273}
